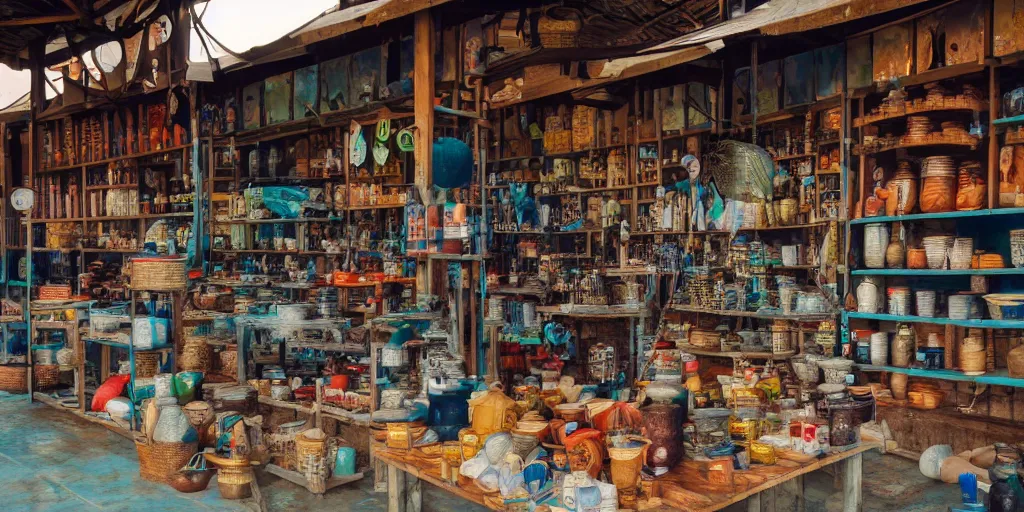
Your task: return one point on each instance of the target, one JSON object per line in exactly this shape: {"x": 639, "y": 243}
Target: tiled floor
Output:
{"x": 51, "y": 461}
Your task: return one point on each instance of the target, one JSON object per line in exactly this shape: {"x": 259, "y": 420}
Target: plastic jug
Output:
{"x": 345, "y": 463}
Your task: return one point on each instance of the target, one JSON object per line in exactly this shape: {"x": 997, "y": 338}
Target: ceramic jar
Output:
{"x": 867, "y": 297}
{"x": 663, "y": 424}
{"x": 903, "y": 346}
{"x": 917, "y": 259}
{"x": 898, "y": 385}
{"x": 876, "y": 239}
{"x": 902, "y": 190}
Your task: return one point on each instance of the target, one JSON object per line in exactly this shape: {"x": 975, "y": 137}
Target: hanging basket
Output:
{"x": 159, "y": 274}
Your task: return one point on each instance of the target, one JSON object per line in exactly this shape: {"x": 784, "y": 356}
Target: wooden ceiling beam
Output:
{"x": 75, "y": 8}
{"x": 39, "y": 20}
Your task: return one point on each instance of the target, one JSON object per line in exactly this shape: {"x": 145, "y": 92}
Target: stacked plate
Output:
{"x": 918, "y": 127}
{"x": 936, "y": 249}
{"x": 899, "y": 300}
{"x": 938, "y": 167}
{"x": 925, "y": 303}
{"x": 953, "y": 128}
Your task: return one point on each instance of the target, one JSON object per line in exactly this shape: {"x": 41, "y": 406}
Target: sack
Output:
{"x": 112, "y": 388}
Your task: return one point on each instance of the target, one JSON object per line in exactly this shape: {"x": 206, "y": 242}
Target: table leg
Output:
{"x": 396, "y": 489}
{"x": 413, "y": 495}
{"x": 754, "y": 503}
{"x": 853, "y": 500}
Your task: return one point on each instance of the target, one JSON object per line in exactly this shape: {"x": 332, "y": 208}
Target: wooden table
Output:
{"x": 683, "y": 488}
{"x": 404, "y": 483}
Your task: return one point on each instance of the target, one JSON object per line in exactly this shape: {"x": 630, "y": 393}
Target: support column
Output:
{"x": 396, "y": 490}
{"x": 423, "y": 101}
{"x": 853, "y": 500}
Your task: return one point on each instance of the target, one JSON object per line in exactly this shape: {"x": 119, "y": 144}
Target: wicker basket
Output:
{"x": 199, "y": 413}
{"x": 147, "y": 364}
{"x": 14, "y": 378}
{"x": 973, "y": 363}
{"x": 158, "y": 462}
{"x": 560, "y": 28}
{"x": 705, "y": 339}
{"x": 159, "y": 274}
{"x": 195, "y": 355}
{"x": 45, "y": 376}
{"x": 308, "y": 450}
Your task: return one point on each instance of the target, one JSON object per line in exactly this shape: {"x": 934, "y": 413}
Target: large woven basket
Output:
{"x": 45, "y": 376}
{"x": 159, "y": 274}
{"x": 159, "y": 461}
{"x": 147, "y": 364}
{"x": 308, "y": 451}
{"x": 14, "y": 378}
{"x": 195, "y": 355}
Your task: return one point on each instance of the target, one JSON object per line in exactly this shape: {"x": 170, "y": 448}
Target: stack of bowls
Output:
{"x": 879, "y": 348}
{"x": 899, "y": 300}
{"x": 937, "y": 249}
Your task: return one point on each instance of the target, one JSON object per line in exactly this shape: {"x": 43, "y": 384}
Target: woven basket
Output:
{"x": 147, "y": 364}
{"x": 972, "y": 362}
{"x": 555, "y": 32}
{"x": 229, "y": 363}
{"x": 159, "y": 274}
{"x": 199, "y": 413}
{"x": 158, "y": 462}
{"x": 960, "y": 254}
{"x": 705, "y": 339}
{"x": 45, "y": 376}
{"x": 307, "y": 450}
{"x": 195, "y": 355}
{"x": 14, "y": 378}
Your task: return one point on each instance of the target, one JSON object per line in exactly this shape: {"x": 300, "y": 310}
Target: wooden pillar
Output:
{"x": 396, "y": 490}
{"x": 423, "y": 101}
{"x": 993, "y": 140}
{"x": 853, "y": 500}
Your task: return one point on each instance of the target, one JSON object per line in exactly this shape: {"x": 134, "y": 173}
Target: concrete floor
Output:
{"x": 52, "y": 461}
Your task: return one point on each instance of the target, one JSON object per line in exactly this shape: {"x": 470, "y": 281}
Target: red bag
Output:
{"x": 112, "y": 388}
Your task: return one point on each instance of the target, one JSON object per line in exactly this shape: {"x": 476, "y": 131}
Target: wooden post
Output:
{"x": 413, "y": 494}
{"x": 396, "y": 490}
{"x": 423, "y": 101}
{"x": 993, "y": 141}
{"x": 754, "y": 503}
{"x": 853, "y": 499}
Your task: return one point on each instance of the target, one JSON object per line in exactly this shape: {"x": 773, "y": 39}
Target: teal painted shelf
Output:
{"x": 995, "y": 378}
{"x": 1009, "y": 120}
{"x": 984, "y": 324}
{"x": 943, "y": 215}
{"x": 932, "y": 272}
{"x": 114, "y": 344}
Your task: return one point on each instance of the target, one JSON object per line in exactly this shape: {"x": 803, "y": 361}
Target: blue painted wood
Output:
{"x": 944, "y": 273}
{"x": 995, "y": 378}
{"x": 1009, "y": 120}
{"x": 124, "y": 346}
{"x": 987, "y": 324}
{"x": 943, "y": 215}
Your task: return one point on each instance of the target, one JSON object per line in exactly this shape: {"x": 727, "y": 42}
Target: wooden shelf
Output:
{"x": 797, "y": 317}
{"x": 859, "y": 149}
{"x": 935, "y": 272}
{"x": 976, "y": 106}
{"x": 143, "y": 154}
{"x": 941, "y": 215}
{"x": 775, "y": 356}
{"x": 984, "y": 324}
{"x": 999, "y": 377}
{"x": 795, "y": 157}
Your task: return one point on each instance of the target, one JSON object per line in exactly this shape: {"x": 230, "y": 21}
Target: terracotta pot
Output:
{"x": 917, "y": 258}
{"x": 938, "y": 194}
{"x": 902, "y": 194}
{"x": 898, "y": 385}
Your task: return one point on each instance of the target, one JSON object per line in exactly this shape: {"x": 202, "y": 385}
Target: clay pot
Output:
{"x": 938, "y": 194}
{"x": 917, "y": 258}
{"x": 898, "y": 385}
{"x": 663, "y": 423}
{"x": 894, "y": 254}
{"x": 903, "y": 346}
{"x": 902, "y": 194}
